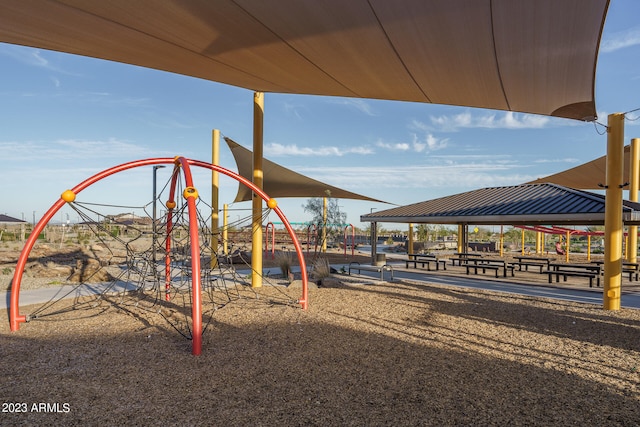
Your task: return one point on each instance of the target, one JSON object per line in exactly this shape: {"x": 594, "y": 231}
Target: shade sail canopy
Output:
{"x": 527, "y": 204}
{"x": 588, "y": 176}
{"x": 517, "y": 55}
{"x": 282, "y": 182}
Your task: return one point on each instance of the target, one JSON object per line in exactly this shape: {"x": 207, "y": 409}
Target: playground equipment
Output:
{"x": 183, "y": 267}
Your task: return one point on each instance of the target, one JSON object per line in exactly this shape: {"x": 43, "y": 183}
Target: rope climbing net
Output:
{"x": 174, "y": 265}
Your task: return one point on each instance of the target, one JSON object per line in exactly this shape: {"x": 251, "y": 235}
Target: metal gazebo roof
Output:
{"x": 527, "y": 204}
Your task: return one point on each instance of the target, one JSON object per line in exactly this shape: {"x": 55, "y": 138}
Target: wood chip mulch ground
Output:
{"x": 366, "y": 353}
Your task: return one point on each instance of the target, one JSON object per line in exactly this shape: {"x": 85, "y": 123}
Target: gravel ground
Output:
{"x": 366, "y": 353}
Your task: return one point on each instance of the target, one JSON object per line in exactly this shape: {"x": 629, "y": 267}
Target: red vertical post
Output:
{"x": 273, "y": 239}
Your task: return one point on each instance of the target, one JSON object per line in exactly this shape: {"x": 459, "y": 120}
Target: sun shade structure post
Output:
{"x": 258, "y": 175}
{"x": 613, "y": 213}
{"x": 634, "y": 184}
{"x": 215, "y": 197}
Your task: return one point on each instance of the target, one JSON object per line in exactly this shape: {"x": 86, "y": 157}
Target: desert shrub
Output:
{"x": 284, "y": 261}
{"x": 320, "y": 268}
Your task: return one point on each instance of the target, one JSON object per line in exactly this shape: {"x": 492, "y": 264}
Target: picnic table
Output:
{"x": 591, "y": 270}
{"x": 425, "y": 259}
{"x": 632, "y": 268}
{"x": 531, "y": 261}
{"x": 463, "y": 257}
{"x": 485, "y": 264}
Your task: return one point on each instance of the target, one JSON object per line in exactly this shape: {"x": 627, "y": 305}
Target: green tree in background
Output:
{"x": 336, "y": 220}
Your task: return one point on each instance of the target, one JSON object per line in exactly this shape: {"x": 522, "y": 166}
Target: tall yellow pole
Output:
{"x": 256, "y": 224}
{"x": 588, "y": 247}
{"x": 225, "y": 229}
{"x": 410, "y": 248}
{"x": 324, "y": 225}
{"x": 566, "y": 251}
{"x": 522, "y": 241}
{"x": 215, "y": 190}
{"x": 502, "y": 240}
{"x": 461, "y": 239}
{"x": 613, "y": 213}
{"x": 634, "y": 187}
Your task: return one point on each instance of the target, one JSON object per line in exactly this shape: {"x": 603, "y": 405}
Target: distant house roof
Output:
{"x": 6, "y": 219}
{"x": 527, "y": 204}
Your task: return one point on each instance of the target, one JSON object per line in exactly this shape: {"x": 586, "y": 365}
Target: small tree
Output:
{"x": 335, "y": 218}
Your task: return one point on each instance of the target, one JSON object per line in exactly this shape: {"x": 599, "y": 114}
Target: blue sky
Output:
{"x": 64, "y": 118}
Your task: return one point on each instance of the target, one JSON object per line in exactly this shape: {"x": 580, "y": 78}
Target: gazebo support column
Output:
{"x": 613, "y": 213}
{"x": 410, "y": 242}
{"x": 374, "y": 242}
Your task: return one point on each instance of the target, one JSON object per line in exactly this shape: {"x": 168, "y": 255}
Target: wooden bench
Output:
{"x": 366, "y": 267}
{"x": 591, "y": 271}
{"x": 425, "y": 259}
{"x": 489, "y": 264}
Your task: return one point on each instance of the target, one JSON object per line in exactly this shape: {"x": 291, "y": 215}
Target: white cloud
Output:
{"x": 355, "y": 103}
{"x": 417, "y": 145}
{"x": 441, "y": 177}
{"x": 397, "y": 146}
{"x": 66, "y": 149}
{"x": 30, "y": 56}
{"x": 465, "y": 120}
{"x": 620, "y": 40}
{"x": 436, "y": 144}
{"x": 275, "y": 149}
{"x": 565, "y": 160}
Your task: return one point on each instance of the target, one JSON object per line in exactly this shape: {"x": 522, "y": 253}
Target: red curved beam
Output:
{"x": 14, "y": 316}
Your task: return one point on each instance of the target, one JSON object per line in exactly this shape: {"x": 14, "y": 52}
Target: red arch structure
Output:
{"x": 190, "y": 194}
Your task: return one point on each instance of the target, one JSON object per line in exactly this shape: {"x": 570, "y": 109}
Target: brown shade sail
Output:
{"x": 282, "y": 182}
{"x": 588, "y": 176}
{"x": 517, "y": 55}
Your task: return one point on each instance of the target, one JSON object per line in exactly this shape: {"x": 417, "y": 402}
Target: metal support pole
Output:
{"x": 154, "y": 231}
{"x": 410, "y": 248}
{"x": 634, "y": 187}
{"x": 324, "y": 224}
{"x": 225, "y": 229}
{"x": 613, "y": 212}
{"x": 374, "y": 242}
{"x": 258, "y": 176}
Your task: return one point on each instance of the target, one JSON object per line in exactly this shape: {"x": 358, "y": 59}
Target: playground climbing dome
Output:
{"x": 165, "y": 265}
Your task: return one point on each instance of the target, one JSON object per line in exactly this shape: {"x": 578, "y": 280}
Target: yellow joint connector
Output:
{"x": 68, "y": 196}
{"x": 170, "y": 204}
{"x": 190, "y": 192}
{"x": 272, "y": 203}
{"x": 176, "y": 160}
